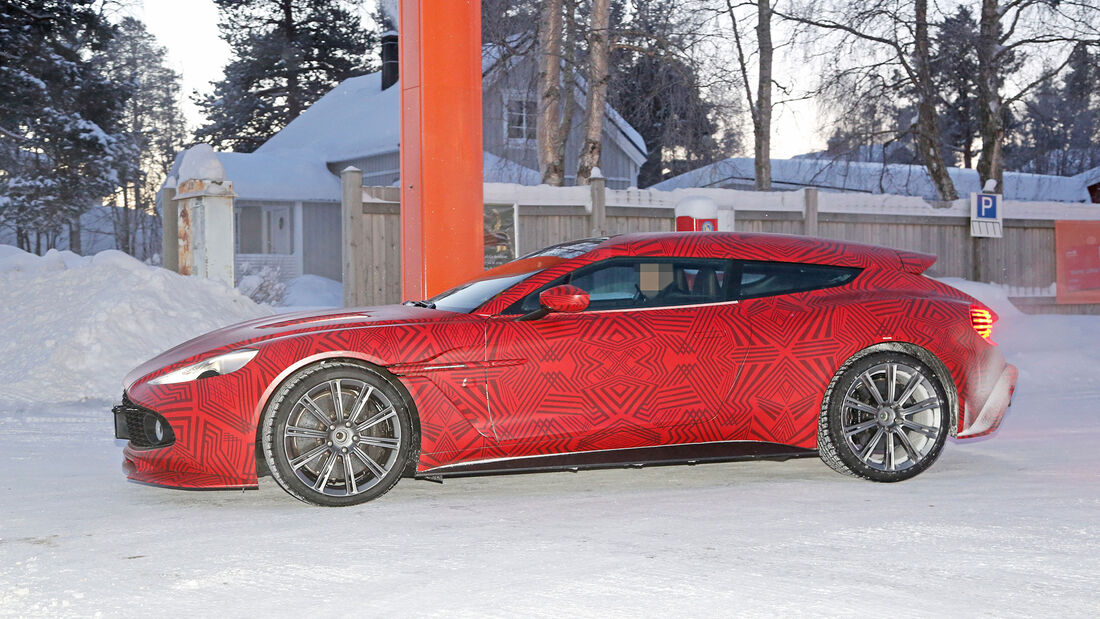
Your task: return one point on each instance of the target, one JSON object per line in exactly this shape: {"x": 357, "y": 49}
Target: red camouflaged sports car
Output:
{"x": 634, "y": 350}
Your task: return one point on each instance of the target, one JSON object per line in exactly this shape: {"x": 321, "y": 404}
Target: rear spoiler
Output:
{"x": 914, "y": 262}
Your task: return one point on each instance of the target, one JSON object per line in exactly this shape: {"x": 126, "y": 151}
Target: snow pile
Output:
{"x": 72, "y": 326}
{"x": 313, "y": 291}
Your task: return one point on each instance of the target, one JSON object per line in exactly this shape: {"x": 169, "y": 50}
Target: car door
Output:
{"x": 785, "y": 335}
{"x": 650, "y": 353}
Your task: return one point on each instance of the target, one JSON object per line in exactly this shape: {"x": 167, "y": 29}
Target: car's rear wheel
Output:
{"x": 885, "y": 417}
{"x": 337, "y": 433}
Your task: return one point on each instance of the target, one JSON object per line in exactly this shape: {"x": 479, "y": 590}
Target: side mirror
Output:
{"x": 566, "y": 299}
{"x": 563, "y": 299}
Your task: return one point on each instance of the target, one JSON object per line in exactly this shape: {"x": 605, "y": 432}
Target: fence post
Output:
{"x": 169, "y": 230}
{"x": 205, "y": 228}
{"x": 351, "y": 232}
{"x": 809, "y": 216}
{"x": 597, "y": 184}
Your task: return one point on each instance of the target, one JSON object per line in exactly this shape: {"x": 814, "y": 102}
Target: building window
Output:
{"x": 520, "y": 114}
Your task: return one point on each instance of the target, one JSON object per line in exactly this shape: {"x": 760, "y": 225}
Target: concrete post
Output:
{"x": 351, "y": 236}
{"x": 169, "y": 230}
{"x": 809, "y": 217}
{"x": 597, "y": 185}
{"x": 205, "y": 229}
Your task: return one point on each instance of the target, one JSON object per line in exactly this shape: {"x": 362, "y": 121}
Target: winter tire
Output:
{"x": 885, "y": 417}
{"x": 336, "y": 434}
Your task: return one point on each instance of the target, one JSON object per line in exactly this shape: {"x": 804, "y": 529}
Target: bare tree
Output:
{"x": 900, "y": 31}
{"x": 1051, "y": 28}
{"x": 929, "y": 140}
{"x": 760, "y": 105}
{"x": 599, "y": 49}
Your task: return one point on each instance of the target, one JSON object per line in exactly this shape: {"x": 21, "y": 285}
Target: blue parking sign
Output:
{"x": 985, "y": 215}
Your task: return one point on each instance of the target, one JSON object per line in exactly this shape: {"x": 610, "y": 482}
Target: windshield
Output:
{"x": 473, "y": 294}
{"x": 467, "y": 297}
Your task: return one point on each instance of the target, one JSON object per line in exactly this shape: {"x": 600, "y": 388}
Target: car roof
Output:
{"x": 755, "y": 246}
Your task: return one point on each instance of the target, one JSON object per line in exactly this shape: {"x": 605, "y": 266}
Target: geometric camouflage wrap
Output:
{"x": 486, "y": 386}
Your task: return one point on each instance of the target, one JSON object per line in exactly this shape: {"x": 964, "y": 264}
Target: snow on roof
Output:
{"x": 355, "y": 119}
{"x": 1088, "y": 178}
{"x": 871, "y": 177}
{"x": 280, "y": 176}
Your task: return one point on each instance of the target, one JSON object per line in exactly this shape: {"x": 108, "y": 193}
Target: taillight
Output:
{"x": 982, "y": 320}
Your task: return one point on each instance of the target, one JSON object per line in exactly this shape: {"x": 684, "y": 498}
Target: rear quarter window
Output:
{"x": 767, "y": 279}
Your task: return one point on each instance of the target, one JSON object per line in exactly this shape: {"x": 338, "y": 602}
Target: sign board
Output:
{"x": 986, "y": 217}
{"x": 1077, "y": 244}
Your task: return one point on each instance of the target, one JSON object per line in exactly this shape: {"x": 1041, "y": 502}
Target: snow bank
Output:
{"x": 313, "y": 291}
{"x": 72, "y": 326}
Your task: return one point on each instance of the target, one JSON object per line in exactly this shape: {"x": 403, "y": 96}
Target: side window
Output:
{"x": 765, "y": 279}
{"x": 640, "y": 283}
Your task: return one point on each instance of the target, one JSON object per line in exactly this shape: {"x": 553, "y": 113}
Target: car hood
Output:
{"x": 254, "y": 332}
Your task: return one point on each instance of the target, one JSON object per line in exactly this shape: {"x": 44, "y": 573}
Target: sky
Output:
{"x": 199, "y": 55}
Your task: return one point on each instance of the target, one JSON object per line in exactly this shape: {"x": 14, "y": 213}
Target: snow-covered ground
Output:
{"x": 1005, "y": 526}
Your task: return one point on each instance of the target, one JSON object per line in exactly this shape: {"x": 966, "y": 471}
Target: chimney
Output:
{"x": 389, "y": 58}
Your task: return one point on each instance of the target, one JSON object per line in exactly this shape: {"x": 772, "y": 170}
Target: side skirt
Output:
{"x": 637, "y": 457}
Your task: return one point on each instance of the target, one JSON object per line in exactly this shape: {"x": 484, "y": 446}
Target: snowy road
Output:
{"x": 1000, "y": 527}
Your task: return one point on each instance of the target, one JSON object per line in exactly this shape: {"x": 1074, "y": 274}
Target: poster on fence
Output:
{"x": 1077, "y": 244}
{"x": 500, "y": 234}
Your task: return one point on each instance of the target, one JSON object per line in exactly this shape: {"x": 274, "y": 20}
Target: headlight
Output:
{"x": 214, "y": 366}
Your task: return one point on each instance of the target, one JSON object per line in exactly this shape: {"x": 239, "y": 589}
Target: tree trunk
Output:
{"x": 551, "y": 159}
{"x": 599, "y": 50}
{"x": 929, "y": 142}
{"x": 990, "y": 118}
{"x": 293, "y": 62}
{"x": 762, "y": 120}
{"x": 123, "y": 229}
{"x": 75, "y": 244}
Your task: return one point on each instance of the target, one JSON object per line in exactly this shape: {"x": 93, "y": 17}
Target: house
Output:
{"x": 288, "y": 191}
{"x": 869, "y": 177}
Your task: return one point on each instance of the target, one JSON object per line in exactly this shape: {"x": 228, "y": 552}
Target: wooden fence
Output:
{"x": 1025, "y": 257}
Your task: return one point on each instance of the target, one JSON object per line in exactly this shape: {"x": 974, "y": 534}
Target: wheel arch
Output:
{"x": 334, "y": 358}
{"x": 920, "y": 353}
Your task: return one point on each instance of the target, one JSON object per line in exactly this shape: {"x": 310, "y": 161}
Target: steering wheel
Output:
{"x": 639, "y": 296}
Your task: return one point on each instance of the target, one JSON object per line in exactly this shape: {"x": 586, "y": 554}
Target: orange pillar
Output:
{"x": 442, "y": 230}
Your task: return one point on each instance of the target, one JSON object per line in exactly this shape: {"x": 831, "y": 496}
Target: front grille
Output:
{"x": 141, "y": 425}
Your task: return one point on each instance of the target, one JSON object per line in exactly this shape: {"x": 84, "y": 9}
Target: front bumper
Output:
{"x": 993, "y": 410}
{"x": 203, "y": 440}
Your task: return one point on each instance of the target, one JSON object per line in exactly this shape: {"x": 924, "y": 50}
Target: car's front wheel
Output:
{"x": 337, "y": 433}
{"x": 885, "y": 418}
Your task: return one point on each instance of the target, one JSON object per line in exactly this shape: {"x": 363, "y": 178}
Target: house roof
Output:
{"x": 868, "y": 177}
{"x": 355, "y": 119}
{"x": 289, "y": 176}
